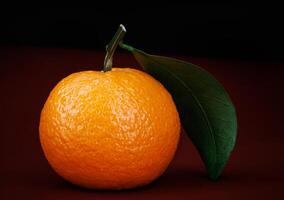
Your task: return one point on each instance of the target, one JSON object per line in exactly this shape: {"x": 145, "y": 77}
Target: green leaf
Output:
{"x": 206, "y": 111}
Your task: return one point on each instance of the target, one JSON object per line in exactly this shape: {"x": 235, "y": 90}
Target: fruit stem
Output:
{"x": 111, "y": 47}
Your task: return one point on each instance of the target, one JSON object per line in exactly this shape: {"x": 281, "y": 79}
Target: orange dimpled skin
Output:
{"x": 109, "y": 130}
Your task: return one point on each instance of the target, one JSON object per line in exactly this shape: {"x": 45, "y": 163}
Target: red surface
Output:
{"x": 255, "y": 170}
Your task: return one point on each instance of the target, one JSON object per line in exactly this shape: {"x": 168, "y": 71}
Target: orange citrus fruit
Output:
{"x": 109, "y": 130}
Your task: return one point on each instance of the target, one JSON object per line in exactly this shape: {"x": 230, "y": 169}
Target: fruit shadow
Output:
{"x": 170, "y": 180}
{"x": 179, "y": 178}
{"x": 175, "y": 181}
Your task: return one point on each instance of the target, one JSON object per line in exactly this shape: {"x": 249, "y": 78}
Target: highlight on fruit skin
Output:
{"x": 109, "y": 130}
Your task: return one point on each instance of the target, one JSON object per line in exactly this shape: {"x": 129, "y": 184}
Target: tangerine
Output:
{"x": 109, "y": 130}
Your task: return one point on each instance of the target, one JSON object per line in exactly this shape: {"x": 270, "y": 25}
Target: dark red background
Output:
{"x": 255, "y": 170}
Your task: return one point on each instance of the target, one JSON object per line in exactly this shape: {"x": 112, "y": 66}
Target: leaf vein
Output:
{"x": 216, "y": 99}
